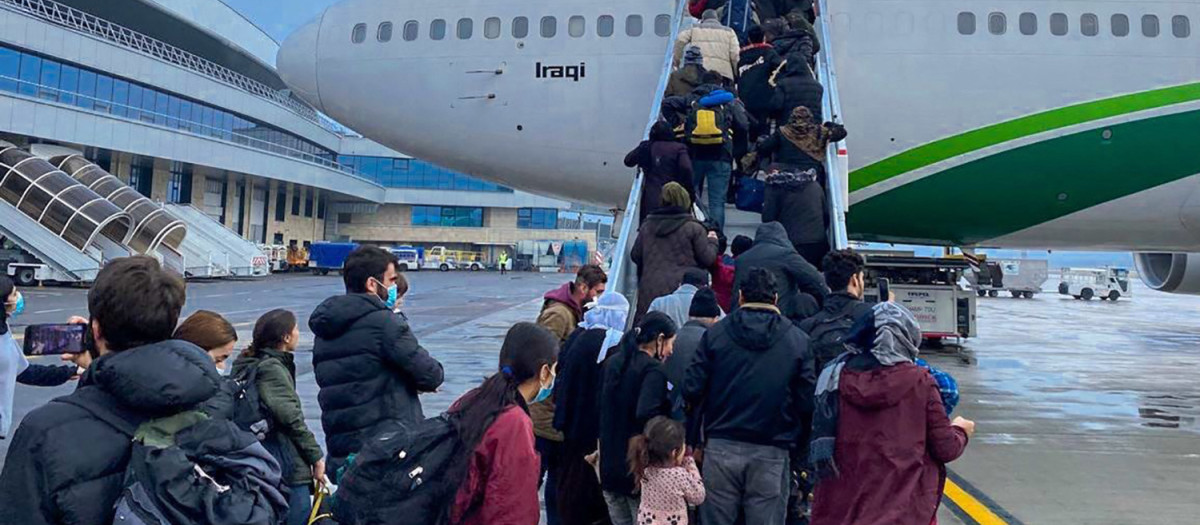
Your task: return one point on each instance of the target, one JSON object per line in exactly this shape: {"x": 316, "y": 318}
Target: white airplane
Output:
{"x": 1065, "y": 124}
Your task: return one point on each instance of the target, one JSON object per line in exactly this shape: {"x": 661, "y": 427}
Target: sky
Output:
{"x": 279, "y": 17}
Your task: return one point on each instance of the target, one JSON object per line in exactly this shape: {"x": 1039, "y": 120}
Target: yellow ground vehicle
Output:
{"x": 445, "y": 260}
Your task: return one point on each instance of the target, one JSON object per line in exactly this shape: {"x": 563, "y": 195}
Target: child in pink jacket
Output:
{"x": 668, "y": 478}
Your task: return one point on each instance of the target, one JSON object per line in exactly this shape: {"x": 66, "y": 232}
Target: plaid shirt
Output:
{"x": 947, "y": 386}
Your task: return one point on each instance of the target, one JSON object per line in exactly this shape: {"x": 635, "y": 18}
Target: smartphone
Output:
{"x": 53, "y": 339}
{"x": 885, "y": 291}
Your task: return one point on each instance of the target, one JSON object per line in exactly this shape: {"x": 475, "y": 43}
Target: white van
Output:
{"x": 1087, "y": 283}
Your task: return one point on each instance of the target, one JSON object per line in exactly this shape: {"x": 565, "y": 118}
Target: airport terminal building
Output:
{"x": 180, "y": 100}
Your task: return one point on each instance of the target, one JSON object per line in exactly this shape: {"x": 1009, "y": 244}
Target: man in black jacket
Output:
{"x": 844, "y": 274}
{"x": 368, "y": 364}
{"x": 756, "y": 65}
{"x": 801, "y": 288}
{"x": 795, "y": 87}
{"x": 753, "y": 377}
{"x": 66, "y": 464}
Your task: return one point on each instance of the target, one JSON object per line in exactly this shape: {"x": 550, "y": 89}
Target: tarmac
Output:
{"x": 1086, "y": 411}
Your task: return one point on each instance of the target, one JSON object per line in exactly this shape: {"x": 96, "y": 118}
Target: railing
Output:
{"x": 836, "y": 167}
{"x": 621, "y": 272}
{"x": 77, "y": 20}
{"x": 113, "y": 109}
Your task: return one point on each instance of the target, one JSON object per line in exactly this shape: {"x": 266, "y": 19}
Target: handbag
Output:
{"x": 751, "y": 193}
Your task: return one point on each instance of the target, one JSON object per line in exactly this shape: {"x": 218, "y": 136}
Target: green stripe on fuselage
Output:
{"x": 1029, "y": 185}
{"x": 950, "y": 147}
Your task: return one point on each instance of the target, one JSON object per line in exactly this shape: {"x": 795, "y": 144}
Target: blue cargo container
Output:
{"x": 326, "y": 256}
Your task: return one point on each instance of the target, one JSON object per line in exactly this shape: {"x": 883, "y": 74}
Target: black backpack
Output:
{"x": 827, "y": 337}
{"x": 405, "y": 473}
{"x": 248, "y": 410}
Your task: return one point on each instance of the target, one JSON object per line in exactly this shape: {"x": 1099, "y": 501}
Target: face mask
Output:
{"x": 392, "y": 292}
{"x": 545, "y": 391}
{"x": 19, "y": 305}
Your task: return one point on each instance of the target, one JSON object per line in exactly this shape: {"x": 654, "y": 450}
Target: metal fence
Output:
{"x": 77, "y": 20}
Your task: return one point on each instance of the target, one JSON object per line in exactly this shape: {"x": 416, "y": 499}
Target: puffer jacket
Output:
{"x": 65, "y": 465}
{"x": 370, "y": 368}
{"x": 795, "y": 87}
{"x": 669, "y": 242}
{"x": 757, "y": 65}
{"x": 718, "y": 44}
{"x": 291, "y": 438}
{"x": 799, "y": 281}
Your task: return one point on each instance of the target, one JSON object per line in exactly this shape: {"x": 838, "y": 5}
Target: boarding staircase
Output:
{"x": 622, "y": 271}
{"x": 212, "y": 250}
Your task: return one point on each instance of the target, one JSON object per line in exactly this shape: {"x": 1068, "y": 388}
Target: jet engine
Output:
{"x": 1170, "y": 272}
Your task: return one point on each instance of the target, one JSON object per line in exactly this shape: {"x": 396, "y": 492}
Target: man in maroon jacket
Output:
{"x": 893, "y": 436}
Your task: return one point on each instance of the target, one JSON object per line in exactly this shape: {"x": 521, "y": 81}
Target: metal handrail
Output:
{"x": 178, "y": 124}
{"x": 838, "y": 177}
{"x": 620, "y": 273}
{"x": 77, "y": 20}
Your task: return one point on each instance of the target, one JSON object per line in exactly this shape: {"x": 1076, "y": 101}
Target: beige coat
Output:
{"x": 718, "y": 44}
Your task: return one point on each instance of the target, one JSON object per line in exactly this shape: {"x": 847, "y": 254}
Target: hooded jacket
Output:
{"x": 801, "y": 42}
{"x": 560, "y": 315}
{"x": 669, "y": 242}
{"x": 893, "y": 441}
{"x": 662, "y": 160}
{"x": 753, "y": 376}
{"x": 718, "y": 44}
{"x": 685, "y": 79}
{"x": 634, "y": 391}
{"x": 277, "y": 391}
{"x": 795, "y": 87}
{"x": 369, "y": 367}
{"x": 756, "y": 66}
{"x": 65, "y": 465}
{"x": 797, "y": 278}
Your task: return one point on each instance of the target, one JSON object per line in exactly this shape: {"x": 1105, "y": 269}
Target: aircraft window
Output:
{"x": 1058, "y": 24}
{"x": 1150, "y": 25}
{"x": 662, "y": 25}
{"x": 576, "y": 26}
{"x": 604, "y": 26}
{"x": 520, "y": 28}
{"x": 1028, "y": 23}
{"x": 465, "y": 27}
{"x": 549, "y": 26}
{"x": 1181, "y": 27}
{"x": 1089, "y": 24}
{"x": 997, "y": 23}
{"x": 359, "y": 34}
{"x": 966, "y": 23}
{"x": 491, "y": 28}
{"x": 1120, "y": 25}
{"x": 385, "y": 32}
{"x": 411, "y": 28}
{"x": 633, "y": 25}
{"x": 437, "y": 29}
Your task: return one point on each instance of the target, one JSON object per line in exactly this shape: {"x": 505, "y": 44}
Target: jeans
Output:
{"x": 746, "y": 479}
{"x": 299, "y": 504}
{"x": 549, "y": 451}
{"x": 713, "y": 174}
{"x": 622, "y": 510}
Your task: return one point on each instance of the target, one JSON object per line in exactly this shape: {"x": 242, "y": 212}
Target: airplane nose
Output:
{"x": 297, "y": 62}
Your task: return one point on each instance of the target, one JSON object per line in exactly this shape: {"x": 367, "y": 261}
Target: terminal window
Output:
{"x": 447, "y": 216}
{"x": 537, "y": 218}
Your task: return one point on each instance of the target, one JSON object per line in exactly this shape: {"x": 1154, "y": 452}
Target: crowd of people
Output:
{"x": 748, "y": 383}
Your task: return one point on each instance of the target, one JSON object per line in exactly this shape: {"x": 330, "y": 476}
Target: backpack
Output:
{"x": 248, "y": 410}
{"x": 827, "y": 337}
{"x": 707, "y": 126}
{"x": 405, "y": 472}
{"x": 187, "y": 468}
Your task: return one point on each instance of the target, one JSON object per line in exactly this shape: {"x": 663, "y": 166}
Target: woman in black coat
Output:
{"x": 793, "y": 197}
{"x": 662, "y": 159}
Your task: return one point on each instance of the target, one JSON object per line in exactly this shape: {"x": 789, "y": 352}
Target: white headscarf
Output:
{"x": 610, "y": 312}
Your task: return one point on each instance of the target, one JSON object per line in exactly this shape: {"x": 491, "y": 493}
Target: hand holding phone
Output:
{"x": 885, "y": 290}
{"x": 54, "y": 339}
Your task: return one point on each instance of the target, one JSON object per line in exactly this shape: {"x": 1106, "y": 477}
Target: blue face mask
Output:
{"x": 545, "y": 391}
{"x": 392, "y": 292}
{"x": 20, "y": 305}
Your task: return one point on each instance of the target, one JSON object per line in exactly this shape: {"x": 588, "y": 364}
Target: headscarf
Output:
{"x": 803, "y": 131}
{"x": 609, "y": 312}
{"x": 897, "y": 334}
{"x": 674, "y": 194}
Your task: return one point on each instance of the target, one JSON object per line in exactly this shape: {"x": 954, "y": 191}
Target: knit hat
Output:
{"x": 709, "y": 14}
{"x": 674, "y": 194}
{"x": 704, "y": 304}
{"x": 692, "y": 55}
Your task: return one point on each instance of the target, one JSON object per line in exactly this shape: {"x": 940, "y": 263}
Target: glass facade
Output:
{"x": 413, "y": 173}
{"x": 31, "y": 75}
{"x": 537, "y": 218}
{"x": 451, "y": 216}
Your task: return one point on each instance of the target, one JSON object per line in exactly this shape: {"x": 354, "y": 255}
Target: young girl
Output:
{"x": 668, "y": 478}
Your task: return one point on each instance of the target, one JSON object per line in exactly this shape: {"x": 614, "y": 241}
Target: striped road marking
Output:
{"x": 972, "y": 506}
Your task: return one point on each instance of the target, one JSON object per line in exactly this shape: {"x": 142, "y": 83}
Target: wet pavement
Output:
{"x": 1086, "y": 411}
